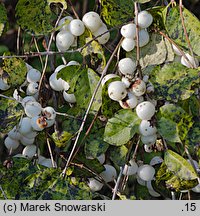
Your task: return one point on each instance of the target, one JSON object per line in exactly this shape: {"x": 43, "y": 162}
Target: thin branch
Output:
{"x": 18, "y": 40}
{"x": 137, "y": 42}
{"x": 4, "y": 195}
{"x": 89, "y": 107}
{"x": 37, "y": 48}
{"x": 50, "y": 152}
{"x": 184, "y": 28}
{"x": 115, "y": 190}
{"x": 72, "y": 7}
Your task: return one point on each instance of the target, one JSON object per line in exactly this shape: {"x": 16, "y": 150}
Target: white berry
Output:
{"x": 92, "y": 21}
{"x": 193, "y": 61}
{"x": 94, "y": 185}
{"x": 33, "y": 75}
{"x": 117, "y": 90}
{"x": 64, "y": 22}
{"x": 70, "y": 98}
{"x": 128, "y": 30}
{"x": 47, "y": 162}
{"x": 38, "y": 123}
{"x": 27, "y": 99}
{"x": 64, "y": 40}
{"x": 138, "y": 87}
{"x": 130, "y": 103}
{"x": 109, "y": 174}
{"x": 29, "y": 151}
{"x": 146, "y": 129}
{"x": 32, "y": 109}
{"x": 148, "y": 148}
{"x": 146, "y": 172}
{"x": 25, "y": 126}
{"x": 156, "y": 160}
{"x": 26, "y": 141}
{"x": 148, "y": 140}
{"x": 14, "y": 134}
{"x": 32, "y": 88}
{"x": 176, "y": 50}
{"x": 143, "y": 37}
{"x": 127, "y": 66}
{"x": 152, "y": 192}
{"x": 101, "y": 30}
{"x": 101, "y": 158}
{"x": 145, "y": 110}
{"x": 3, "y": 85}
{"x": 145, "y": 19}
{"x": 49, "y": 112}
{"x": 128, "y": 44}
{"x": 130, "y": 169}
{"x": 11, "y": 143}
{"x": 76, "y": 27}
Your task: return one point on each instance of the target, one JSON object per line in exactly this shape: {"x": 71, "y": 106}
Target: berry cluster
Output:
{"x": 71, "y": 28}
{"x": 36, "y": 119}
{"x": 128, "y": 31}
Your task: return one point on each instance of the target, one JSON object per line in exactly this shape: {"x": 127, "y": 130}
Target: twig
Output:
{"x": 37, "y": 48}
{"x": 50, "y": 152}
{"x": 184, "y": 29}
{"x": 115, "y": 190}
{"x": 4, "y": 195}
{"x": 72, "y": 7}
{"x": 173, "y": 195}
{"x": 137, "y": 42}
{"x": 18, "y": 39}
{"x": 89, "y": 107}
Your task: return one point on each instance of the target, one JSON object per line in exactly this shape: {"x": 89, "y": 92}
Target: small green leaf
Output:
{"x": 173, "y": 123}
{"x": 34, "y": 16}
{"x": 174, "y": 81}
{"x": 16, "y": 70}
{"x": 176, "y": 32}
{"x": 168, "y": 130}
{"x": 116, "y": 12}
{"x": 179, "y": 166}
{"x": 10, "y": 113}
{"x": 121, "y": 128}
{"x": 95, "y": 145}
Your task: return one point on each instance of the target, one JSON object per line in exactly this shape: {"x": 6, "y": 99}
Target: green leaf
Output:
{"x": 156, "y": 52}
{"x": 117, "y": 12}
{"x": 118, "y": 154}
{"x": 173, "y": 123}
{"x": 121, "y": 128}
{"x": 16, "y": 70}
{"x": 34, "y": 16}
{"x": 84, "y": 89}
{"x": 64, "y": 189}
{"x": 142, "y": 1}
{"x": 176, "y": 31}
{"x": 95, "y": 145}
{"x": 3, "y": 17}
{"x": 174, "y": 81}
{"x": 10, "y": 114}
{"x": 179, "y": 166}
{"x": 168, "y": 130}
{"x": 165, "y": 180}
{"x": 193, "y": 135}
